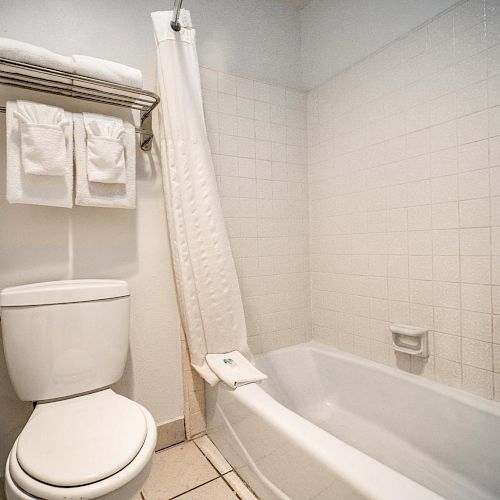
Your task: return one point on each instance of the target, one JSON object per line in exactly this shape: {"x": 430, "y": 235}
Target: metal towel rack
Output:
{"x": 52, "y": 81}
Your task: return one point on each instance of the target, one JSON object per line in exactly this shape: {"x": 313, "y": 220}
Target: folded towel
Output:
{"x": 107, "y": 70}
{"x": 99, "y": 194}
{"x": 234, "y": 369}
{"x": 43, "y": 144}
{"x": 31, "y": 54}
{"x": 105, "y": 150}
{"x": 22, "y": 187}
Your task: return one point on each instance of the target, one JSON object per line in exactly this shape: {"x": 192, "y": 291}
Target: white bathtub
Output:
{"x": 328, "y": 425}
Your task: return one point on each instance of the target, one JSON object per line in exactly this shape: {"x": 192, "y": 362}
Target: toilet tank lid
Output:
{"x": 62, "y": 292}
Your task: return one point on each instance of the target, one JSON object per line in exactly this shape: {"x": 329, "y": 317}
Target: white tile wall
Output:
{"x": 404, "y": 170}
{"x": 258, "y": 136}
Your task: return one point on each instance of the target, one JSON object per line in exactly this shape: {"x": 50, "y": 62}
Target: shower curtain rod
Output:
{"x": 176, "y": 25}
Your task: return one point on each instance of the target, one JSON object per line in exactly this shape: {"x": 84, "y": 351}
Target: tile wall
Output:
{"x": 258, "y": 136}
{"x": 404, "y": 170}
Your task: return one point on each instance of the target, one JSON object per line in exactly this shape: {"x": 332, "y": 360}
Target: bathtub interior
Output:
{"x": 444, "y": 439}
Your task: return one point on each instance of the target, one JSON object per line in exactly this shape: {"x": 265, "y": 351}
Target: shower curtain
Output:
{"x": 207, "y": 286}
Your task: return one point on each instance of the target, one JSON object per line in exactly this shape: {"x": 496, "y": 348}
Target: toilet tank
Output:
{"x": 64, "y": 338}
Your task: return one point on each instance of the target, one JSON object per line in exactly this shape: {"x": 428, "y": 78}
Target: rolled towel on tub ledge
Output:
{"x": 234, "y": 369}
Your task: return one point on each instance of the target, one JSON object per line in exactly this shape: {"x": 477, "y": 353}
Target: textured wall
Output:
{"x": 404, "y": 159}
{"x": 338, "y": 33}
{"x": 39, "y": 243}
{"x": 258, "y": 137}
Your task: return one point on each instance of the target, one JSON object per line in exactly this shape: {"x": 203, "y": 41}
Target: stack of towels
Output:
{"x": 79, "y": 65}
{"x": 41, "y": 144}
{"x": 43, "y": 140}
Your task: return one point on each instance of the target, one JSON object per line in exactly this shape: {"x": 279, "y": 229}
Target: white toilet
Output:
{"x": 65, "y": 343}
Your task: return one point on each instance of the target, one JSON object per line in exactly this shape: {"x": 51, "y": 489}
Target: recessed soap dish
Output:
{"x": 410, "y": 340}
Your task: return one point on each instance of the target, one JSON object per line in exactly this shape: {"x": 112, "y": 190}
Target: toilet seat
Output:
{"x": 81, "y": 440}
{"x": 31, "y": 471}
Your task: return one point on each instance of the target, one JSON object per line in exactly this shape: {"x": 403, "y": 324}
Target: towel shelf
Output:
{"x": 52, "y": 81}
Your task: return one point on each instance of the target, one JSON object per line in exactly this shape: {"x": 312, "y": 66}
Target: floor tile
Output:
{"x": 213, "y": 454}
{"x": 239, "y": 486}
{"x": 177, "y": 470}
{"x": 215, "y": 490}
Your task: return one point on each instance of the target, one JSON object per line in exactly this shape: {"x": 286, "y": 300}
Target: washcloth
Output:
{"x": 107, "y": 70}
{"x": 51, "y": 190}
{"x": 31, "y": 54}
{"x": 234, "y": 369}
{"x": 105, "y": 150}
{"x": 97, "y": 194}
{"x": 43, "y": 144}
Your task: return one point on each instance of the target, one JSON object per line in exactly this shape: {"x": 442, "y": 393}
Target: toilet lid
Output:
{"x": 81, "y": 440}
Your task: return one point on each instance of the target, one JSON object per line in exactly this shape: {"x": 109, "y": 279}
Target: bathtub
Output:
{"x": 328, "y": 425}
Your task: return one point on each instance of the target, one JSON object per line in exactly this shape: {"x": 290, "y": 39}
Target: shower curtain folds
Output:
{"x": 207, "y": 285}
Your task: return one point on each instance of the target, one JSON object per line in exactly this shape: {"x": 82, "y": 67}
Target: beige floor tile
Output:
{"x": 215, "y": 490}
{"x": 239, "y": 486}
{"x": 213, "y": 454}
{"x": 176, "y": 470}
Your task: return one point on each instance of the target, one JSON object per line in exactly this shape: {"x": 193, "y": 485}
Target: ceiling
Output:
{"x": 296, "y": 4}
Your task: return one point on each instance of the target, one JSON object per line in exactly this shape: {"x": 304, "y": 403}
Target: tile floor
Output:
{"x": 192, "y": 470}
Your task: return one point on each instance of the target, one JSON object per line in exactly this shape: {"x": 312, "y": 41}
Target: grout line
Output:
{"x": 207, "y": 459}
{"x": 171, "y": 446}
{"x": 195, "y": 488}
{"x": 229, "y": 485}
{"x": 244, "y": 483}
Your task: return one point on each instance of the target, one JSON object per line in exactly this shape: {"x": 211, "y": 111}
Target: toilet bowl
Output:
{"x": 112, "y": 445}
{"x": 65, "y": 343}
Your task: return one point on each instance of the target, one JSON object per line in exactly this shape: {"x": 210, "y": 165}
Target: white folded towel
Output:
{"x": 234, "y": 369}
{"x": 107, "y": 70}
{"x": 31, "y": 54}
{"x": 99, "y": 194}
{"x": 105, "y": 150}
{"x": 43, "y": 142}
{"x": 51, "y": 190}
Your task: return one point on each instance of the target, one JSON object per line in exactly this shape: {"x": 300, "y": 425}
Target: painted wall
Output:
{"x": 338, "y": 33}
{"x": 251, "y": 38}
{"x": 404, "y": 164}
{"x": 254, "y": 38}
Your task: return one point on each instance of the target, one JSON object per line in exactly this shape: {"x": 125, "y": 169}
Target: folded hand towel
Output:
{"x": 31, "y": 54}
{"x": 105, "y": 150}
{"x": 99, "y": 194}
{"x": 22, "y": 187}
{"x": 107, "y": 70}
{"x": 234, "y": 369}
{"x": 43, "y": 143}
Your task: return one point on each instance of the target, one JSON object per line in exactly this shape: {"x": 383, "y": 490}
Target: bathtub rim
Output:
{"x": 488, "y": 405}
{"x": 377, "y": 482}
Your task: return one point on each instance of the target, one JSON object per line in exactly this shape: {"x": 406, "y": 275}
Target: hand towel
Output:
{"x": 31, "y": 54}
{"x": 97, "y": 194}
{"x": 105, "y": 149}
{"x": 51, "y": 190}
{"x": 234, "y": 369}
{"x": 107, "y": 70}
{"x": 43, "y": 143}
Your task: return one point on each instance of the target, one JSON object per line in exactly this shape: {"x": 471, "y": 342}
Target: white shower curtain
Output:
{"x": 207, "y": 285}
